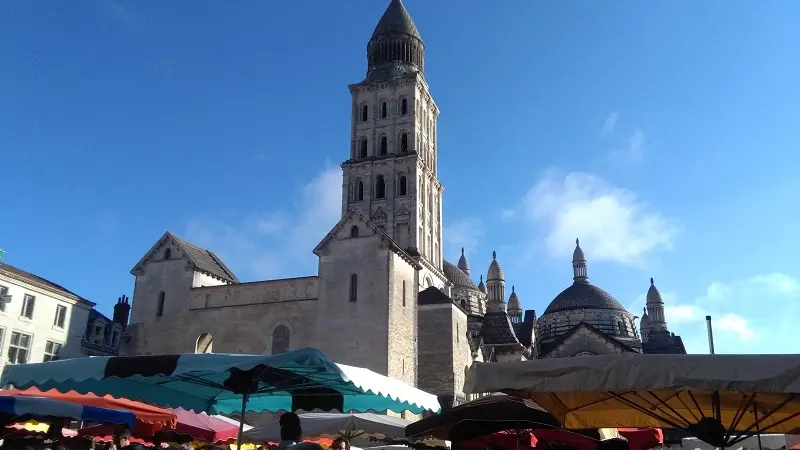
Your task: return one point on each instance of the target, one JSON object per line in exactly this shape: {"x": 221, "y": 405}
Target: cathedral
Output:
{"x": 384, "y": 297}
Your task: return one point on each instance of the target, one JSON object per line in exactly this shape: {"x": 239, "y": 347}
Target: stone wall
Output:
{"x": 444, "y": 352}
{"x": 402, "y": 320}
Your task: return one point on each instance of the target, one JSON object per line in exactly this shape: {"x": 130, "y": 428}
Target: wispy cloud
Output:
{"x": 462, "y": 233}
{"x": 262, "y": 244}
{"x": 610, "y": 124}
{"x": 613, "y": 222}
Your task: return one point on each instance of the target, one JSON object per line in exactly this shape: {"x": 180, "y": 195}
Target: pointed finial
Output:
{"x": 462, "y": 251}
{"x": 577, "y": 242}
{"x": 481, "y": 277}
{"x": 651, "y": 281}
{"x": 512, "y": 288}
{"x": 644, "y": 309}
{"x": 494, "y": 255}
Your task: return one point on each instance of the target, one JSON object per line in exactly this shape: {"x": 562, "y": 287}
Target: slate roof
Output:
{"x": 456, "y": 275}
{"x": 395, "y": 21}
{"x": 497, "y": 329}
{"x": 47, "y": 284}
{"x": 433, "y": 296}
{"x": 205, "y": 260}
{"x": 583, "y": 295}
{"x": 662, "y": 342}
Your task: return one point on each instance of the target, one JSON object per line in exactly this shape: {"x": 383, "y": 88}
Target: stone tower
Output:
{"x": 391, "y": 175}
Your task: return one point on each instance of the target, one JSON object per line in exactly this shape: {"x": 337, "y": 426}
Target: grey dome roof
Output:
{"x": 457, "y": 276}
{"x": 395, "y": 21}
{"x": 513, "y": 301}
{"x": 653, "y": 295}
{"x": 578, "y": 255}
{"x": 481, "y": 286}
{"x": 463, "y": 264}
{"x": 495, "y": 272}
{"x": 583, "y": 295}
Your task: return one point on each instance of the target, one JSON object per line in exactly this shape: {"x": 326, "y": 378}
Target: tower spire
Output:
{"x": 580, "y": 272}
{"x": 396, "y": 48}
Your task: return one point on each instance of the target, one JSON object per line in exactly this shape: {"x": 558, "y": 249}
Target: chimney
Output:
{"x": 121, "y": 311}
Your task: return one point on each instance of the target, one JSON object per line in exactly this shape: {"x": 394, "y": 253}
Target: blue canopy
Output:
{"x": 33, "y": 407}
{"x": 226, "y": 383}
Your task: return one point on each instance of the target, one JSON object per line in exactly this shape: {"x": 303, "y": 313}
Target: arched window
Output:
{"x": 428, "y": 282}
{"x": 403, "y": 107}
{"x": 354, "y": 231}
{"x": 167, "y": 253}
{"x": 364, "y": 113}
{"x": 383, "y": 110}
{"x": 280, "y": 339}
{"x": 403, "y": 185}
{"x": 384, "y": 145}
{"x": 353, "y": 287}
{"x": 160, "y": 306}
{"x": 362, "y": 148}
{"x": 380, "y": 187}
{"x": 404, "y": 143}
{"x": 204, "y": 344}
{"x": 358, "y": 191}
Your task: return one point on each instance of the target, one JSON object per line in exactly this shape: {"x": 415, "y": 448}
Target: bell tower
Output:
{"x": 391, "y": 175}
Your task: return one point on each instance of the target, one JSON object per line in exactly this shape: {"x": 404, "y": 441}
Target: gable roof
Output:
{"x": 353, "y": 213}
{"x": 19, "y": 274}
{"x": 553, "y": 346}
{"x": 202, "y": 259}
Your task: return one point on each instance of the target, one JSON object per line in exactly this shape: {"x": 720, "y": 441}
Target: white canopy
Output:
{"x": 332, "y": 425}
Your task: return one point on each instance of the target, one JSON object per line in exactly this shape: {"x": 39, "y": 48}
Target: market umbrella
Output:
{"x": 153, "y": 417}
{"x": 483, "y": 416}
{"x": 721, "y": 399}
{"x": 335, "y": 425}
{"x": 189, "y": 426}
{"x": 227, "y": 383}
{"x": 19, "y": 409}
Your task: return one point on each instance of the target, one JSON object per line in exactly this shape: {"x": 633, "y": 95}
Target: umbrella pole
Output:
{"x": 758, "y": 428}
{"x": 245, "y": 397}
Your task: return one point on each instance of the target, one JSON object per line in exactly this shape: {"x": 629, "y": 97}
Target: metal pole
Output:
{"x": 710, "y": 335}
{"x": 758, "y": 427}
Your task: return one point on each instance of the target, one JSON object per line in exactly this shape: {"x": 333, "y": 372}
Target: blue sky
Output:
{"x": 664, "y": 135}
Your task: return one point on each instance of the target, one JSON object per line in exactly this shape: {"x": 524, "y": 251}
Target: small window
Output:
{"x": 380, "y": 187}
{"x": 354, "y": 231}
{"x": 353, "y": 287}
{"x": 362, "y": 148}
{"x": 61, "y": 316}
{"x": 19, "y": 347}
{"x": 383, "y": 110}
{"x": 4, "y": 298}
{"x": 51, "y": 350}
{"x": 404, "y": 143}
{"x": 280, "y": 339}
{"x": 167, "y": 253}
{"x": 204, "y": 344}
{"x": 404, "y": 293}
{"x": 384, "y": 145}
{"x": 28, "y": 303}
{"x": 161, "y": 298}
{"x": 403, "y": 185}
{"x": 364, "y": 113}
{"x": 403, "y": 107}
{"x": 359, "y": 191}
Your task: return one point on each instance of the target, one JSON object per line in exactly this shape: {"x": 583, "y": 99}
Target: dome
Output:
{"x": 457, "y": 276}
{"x": 463, "y": 264}
{"x": 513, "y": 301}
{"x": 396, "y": 48}
{"x": 578, "y": 255}
{"x": 481, "y": 286}
{"x": 583, "y": 295}
{"x": 495, "y": 272}
{"x": 653, "y": 295}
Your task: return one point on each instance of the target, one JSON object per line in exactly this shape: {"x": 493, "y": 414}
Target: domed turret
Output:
{"x": 481, "y": 286}
{"x": 655, "y": 308}
{"x": 653, "y": 295}
{"x": 514, "y": 306}
{"x": 396, "y": 47}
{"x": 579, "y": 266}
{"x": 495, "y": 273}
{"x": 463, "y": 264}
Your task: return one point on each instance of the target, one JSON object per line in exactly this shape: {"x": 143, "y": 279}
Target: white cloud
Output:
{"x": 262, "y": 245}
{"x": 752, "y": 315}
{"x": 610, "y": 124}
{"x": 460, "y": 233}
{"x": 612, "y": 223}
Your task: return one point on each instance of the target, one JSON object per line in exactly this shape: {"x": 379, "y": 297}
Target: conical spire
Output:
{"x": 495, "y": 271}
{"x": 396, "y": 47}
{"x": 463, "y": 263}
{"x": 579, "y": 265}
{"x": 653, "y": 294}
{"x": 481, "y": 286}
